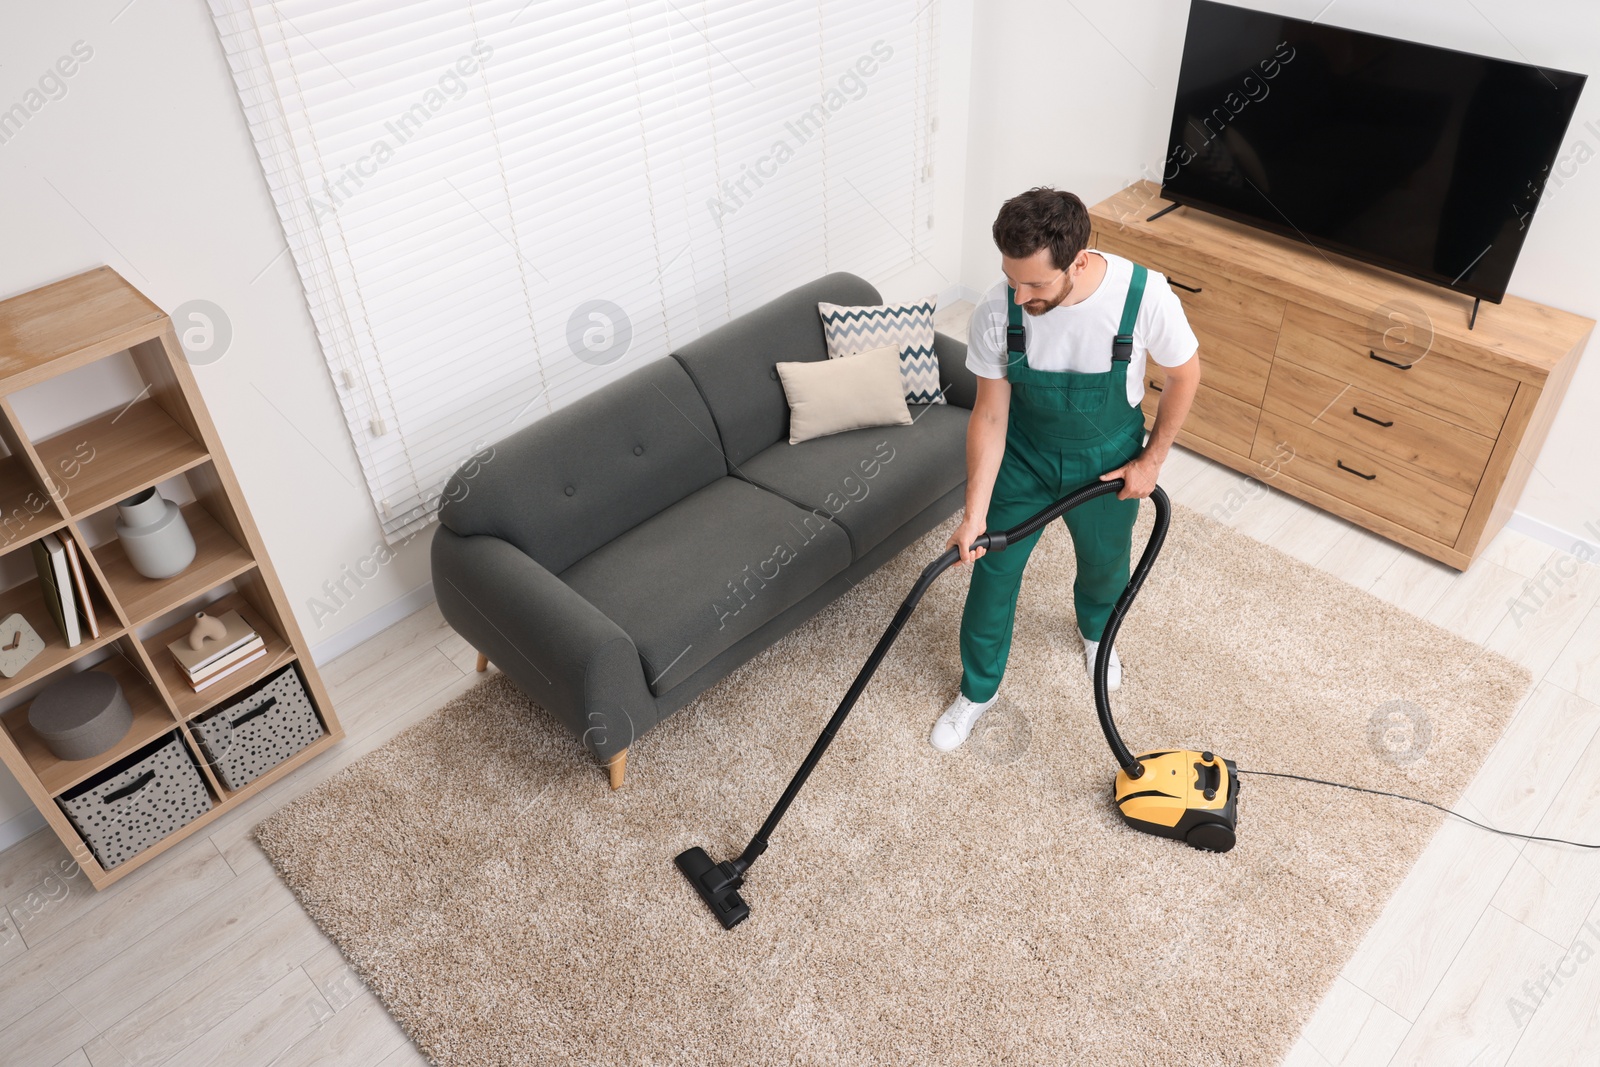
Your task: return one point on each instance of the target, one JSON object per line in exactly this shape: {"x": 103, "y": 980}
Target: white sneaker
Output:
{"x": 1091, "y": 649}
{"x": 955, "y": 725}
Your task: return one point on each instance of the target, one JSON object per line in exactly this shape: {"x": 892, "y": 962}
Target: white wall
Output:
{"x": 145, "y": 163}
{"x": 1079, "y": 96}
{"x": 940, "y": 271}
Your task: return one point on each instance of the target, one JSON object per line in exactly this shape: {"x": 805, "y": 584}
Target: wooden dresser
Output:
{"x": 1353, "y": 388}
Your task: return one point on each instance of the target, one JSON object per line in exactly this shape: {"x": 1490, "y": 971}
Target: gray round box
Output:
{"x": 81, "y": 715}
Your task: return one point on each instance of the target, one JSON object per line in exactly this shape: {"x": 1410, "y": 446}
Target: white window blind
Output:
{"x": 495, "y": 207}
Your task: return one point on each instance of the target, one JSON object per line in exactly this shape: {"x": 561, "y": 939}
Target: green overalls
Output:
{"x": 1065, "y": 429}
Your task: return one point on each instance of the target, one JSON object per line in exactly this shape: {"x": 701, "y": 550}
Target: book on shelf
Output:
{"x": 55, "y": 576}
{"x": 224, "y": 672}
{"x": 238, "y": 645}
{"x": 227, "y": 661}
{"x": 85, "y": 605}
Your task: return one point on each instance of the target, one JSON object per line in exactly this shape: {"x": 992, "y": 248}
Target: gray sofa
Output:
{"x": 622, "y": 554}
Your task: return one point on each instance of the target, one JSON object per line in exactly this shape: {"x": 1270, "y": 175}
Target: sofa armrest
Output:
{"x": 960, "y": 384}
{"x": 559, "y": 649}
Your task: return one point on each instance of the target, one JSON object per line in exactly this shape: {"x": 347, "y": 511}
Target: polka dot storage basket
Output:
{"x": 137, "y": 801}
{"x": 259, "y": 729}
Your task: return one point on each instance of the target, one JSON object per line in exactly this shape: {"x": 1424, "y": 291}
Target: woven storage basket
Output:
{"x": 129, "y": 807}
{"x": 258, "y": 729}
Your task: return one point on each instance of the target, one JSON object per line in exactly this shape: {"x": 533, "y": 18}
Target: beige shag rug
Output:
{"x": 984, "y": 907}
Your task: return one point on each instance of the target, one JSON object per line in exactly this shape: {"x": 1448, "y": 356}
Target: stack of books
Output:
{"x": 219, "y": 657}
{"x": 66, "y": 593}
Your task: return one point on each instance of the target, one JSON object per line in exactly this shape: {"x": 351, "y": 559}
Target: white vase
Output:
{"x": 154, "y": 535}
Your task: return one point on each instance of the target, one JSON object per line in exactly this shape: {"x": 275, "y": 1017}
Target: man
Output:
{"x": 1059, "y": 389}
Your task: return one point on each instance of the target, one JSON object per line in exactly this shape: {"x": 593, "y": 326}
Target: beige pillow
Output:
{"x": 849, "y": 393}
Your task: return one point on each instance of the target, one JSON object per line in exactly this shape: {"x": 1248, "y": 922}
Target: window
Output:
{"x": 497, "y": 207}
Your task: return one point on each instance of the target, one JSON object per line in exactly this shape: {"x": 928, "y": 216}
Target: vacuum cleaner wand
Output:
{"x": 718, "y": 883}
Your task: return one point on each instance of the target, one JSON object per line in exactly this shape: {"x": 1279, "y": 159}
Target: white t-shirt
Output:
{"x": 1077, "y": 337}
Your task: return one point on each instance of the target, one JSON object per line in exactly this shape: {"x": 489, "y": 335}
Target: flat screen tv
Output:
{"x": 1420, "y": 160}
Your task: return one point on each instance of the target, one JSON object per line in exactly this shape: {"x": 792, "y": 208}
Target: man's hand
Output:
{"x": 1138, "y": 474}
{"x": 962, "y": 539}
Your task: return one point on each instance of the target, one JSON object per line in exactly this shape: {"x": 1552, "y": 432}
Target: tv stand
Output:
{"x": 1349, "y": 387}
{"x": 1163, "y": 211}
{"x": 1472, "y": 319}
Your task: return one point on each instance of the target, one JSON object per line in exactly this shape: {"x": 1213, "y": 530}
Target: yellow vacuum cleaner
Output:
{"x": 1185, "y": 795}
{"x": 1190, "y": 796}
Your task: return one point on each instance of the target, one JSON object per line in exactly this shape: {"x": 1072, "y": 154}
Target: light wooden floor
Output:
{"x": 1479, "y": 915}
{"x": 203, "y": 956}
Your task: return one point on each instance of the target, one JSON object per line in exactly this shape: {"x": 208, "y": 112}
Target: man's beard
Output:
{"x": 1039, "y": 307}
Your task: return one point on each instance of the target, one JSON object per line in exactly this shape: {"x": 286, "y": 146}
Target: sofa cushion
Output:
{"x": 871, "y": 481}
{"x": 706, "y": 572}
{"x": 834, "y": 395}
{"x": 908, "y": 328}
{"x": 734, "y": 365}
{"x": 594, "y": 469}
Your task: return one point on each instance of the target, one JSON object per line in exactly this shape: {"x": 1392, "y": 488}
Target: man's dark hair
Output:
{"x": 1042, "y": 217}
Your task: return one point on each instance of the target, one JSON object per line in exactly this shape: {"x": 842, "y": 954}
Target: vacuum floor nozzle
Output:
{"x": 717, "y": 883}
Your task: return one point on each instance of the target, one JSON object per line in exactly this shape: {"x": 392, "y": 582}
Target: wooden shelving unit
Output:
{"x": 60, "y": 482}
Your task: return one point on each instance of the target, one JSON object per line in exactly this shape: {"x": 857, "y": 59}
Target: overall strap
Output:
{"x": 1016, "y": 339}
{"x": 1122, "y": 344}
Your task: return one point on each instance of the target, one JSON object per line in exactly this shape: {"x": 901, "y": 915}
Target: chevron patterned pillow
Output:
{"x": 852, "y": 330}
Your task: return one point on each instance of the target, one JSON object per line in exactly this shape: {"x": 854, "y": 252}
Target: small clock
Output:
{"x": 19, "y": 643}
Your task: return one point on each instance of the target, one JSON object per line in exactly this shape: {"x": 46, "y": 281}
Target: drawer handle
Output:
{"x": 1352, "y": 470}
{"x": 1154, "y": 386}
{"x": 247, "y": 716}
{"x": 1185, "y": 288}
{"x": 1390, "y": 362}
{"x": 131, "y": 788}
{"x": 1358, "y": 413}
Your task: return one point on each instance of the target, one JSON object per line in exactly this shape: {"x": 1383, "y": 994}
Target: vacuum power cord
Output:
{"x": 1419, "y": 800}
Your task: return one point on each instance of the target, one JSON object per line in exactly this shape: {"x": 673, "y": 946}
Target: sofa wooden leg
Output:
{"x": 483, "y": 663}
{"x": 617, "y": 766}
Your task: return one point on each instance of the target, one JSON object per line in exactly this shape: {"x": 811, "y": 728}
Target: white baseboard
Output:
{"x": 956, "y": 293}
{"x": 372, "y": 625}
{"x": 1556, "y": 537}
{"x": 18, "y": 827}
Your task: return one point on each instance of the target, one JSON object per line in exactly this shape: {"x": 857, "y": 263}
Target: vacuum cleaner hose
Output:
{"x": 1102, "y": 664}
{"x": 996, "y": 542}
